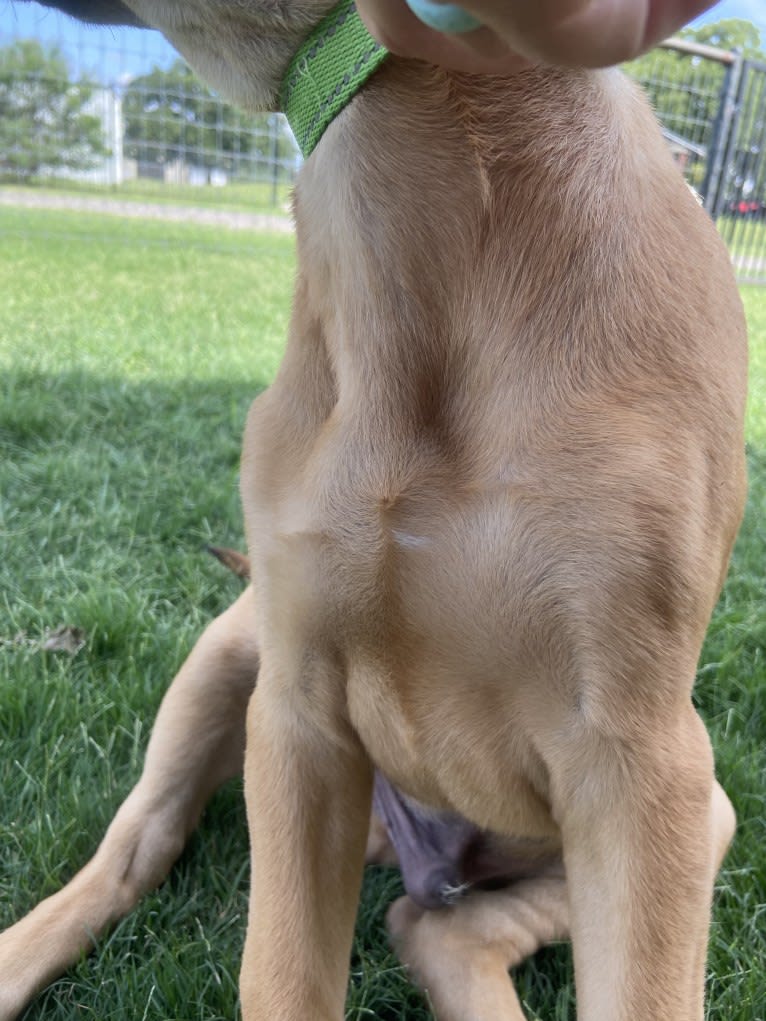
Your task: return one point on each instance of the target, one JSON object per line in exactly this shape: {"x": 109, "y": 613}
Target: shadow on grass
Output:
{"x": 84, "y": 457}
{"x": 38, "y": 408}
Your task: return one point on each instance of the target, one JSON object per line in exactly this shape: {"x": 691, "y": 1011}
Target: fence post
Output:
{"x": 274, "y": 133}
{"x": 118, "y": 133}
{"x": 722, "y": 129}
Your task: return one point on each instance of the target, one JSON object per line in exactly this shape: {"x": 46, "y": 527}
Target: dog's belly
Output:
{"x": 444, "y": 700}
{"x": 452, "y": 749}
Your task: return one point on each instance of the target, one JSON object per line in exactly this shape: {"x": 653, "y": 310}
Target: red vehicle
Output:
{"x": 750, "y": 208}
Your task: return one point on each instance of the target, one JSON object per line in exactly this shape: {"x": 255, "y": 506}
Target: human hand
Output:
{"x": 519, "y": 33}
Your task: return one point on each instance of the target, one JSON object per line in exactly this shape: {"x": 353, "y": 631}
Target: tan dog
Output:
{"x": 490, "y": 500}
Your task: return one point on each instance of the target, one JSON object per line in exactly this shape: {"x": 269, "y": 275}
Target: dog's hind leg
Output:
{"x": 197, "y": 743}
{"x": 460, "y": 956}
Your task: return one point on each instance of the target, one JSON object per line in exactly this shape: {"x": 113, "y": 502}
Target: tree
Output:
{"x": 684, "y": 88}
{"x": 728, "y": 34}
{"x": 169, "y": 114}
{"x": 44, "y": 118}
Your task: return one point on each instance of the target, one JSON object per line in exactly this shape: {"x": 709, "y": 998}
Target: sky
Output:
{"x": 750, "y": 10}
{"x": 128, "y": 52}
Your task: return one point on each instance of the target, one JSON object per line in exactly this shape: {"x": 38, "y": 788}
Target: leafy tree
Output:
{"x": 44, "y": 118}
{"x": 728, "y": 34}
{"x": 169, "y": 115}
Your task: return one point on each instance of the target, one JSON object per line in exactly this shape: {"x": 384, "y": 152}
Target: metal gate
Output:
{"x": 712, "y": 104}
{"x": 736, "y": 193}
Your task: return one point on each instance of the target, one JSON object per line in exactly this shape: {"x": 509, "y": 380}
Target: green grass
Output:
{"x": 129, "y": 352}
{"x": 746, "y": 240}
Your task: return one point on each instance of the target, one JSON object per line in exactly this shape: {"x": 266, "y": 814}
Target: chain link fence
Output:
{"x": 115, "y": 113}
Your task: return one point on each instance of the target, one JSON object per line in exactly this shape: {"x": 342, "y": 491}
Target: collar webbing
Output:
{"x": 326, "y": 72}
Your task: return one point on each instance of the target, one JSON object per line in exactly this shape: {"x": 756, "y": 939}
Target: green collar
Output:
{"x": 326, "y": 73}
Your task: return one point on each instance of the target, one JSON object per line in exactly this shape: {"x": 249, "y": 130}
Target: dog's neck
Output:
{"x": 326, "y": 72}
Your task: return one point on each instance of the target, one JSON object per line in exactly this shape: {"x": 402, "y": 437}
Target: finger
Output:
{"x": 397, "y": 28}
{"x": 588, "y": 33}
{"x": 668, "y": 16}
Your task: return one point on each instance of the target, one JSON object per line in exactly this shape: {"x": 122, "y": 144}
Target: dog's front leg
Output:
{"x": 644, "y": 828}
{"x": 308, "y": 786}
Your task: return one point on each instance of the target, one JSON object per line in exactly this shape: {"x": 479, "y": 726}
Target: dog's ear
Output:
{"x": 233, "y": 559}
{"x": 100, "y": 12}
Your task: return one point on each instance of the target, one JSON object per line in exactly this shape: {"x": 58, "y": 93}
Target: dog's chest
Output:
{"x": 391, "y": 548}
{"x": 382, "y": 533}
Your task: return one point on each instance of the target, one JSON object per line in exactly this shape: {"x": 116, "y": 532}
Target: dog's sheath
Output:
{"x": 431, "y": 846}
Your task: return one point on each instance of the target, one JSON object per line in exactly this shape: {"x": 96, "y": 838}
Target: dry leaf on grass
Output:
{"x": 65, "y": 638}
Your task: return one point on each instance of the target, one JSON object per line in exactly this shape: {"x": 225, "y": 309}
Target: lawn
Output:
{"x": 129, "y": 353}
{"x": 251, "y": 197}
{"x": 747, "y": 243}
